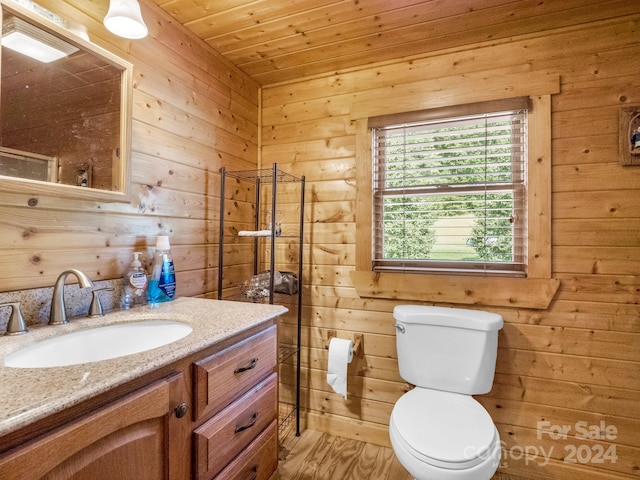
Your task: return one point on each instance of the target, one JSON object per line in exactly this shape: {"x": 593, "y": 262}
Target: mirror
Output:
{"x": 65, "y": 123}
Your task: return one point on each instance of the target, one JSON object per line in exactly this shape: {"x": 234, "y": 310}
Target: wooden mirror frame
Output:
{"x": 122, "y": 172}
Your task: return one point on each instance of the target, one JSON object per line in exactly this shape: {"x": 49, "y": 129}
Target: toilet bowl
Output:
{"x": 442, "y": 435}
{"x": 438, "y": 431}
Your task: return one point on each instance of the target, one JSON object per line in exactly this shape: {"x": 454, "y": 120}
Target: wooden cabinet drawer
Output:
{"x": 223, "y": 377}
{"x": 258, "y": 461}
{"x": 224, "y": 436}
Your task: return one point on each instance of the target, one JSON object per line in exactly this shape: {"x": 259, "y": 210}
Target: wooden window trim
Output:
{"x": 537, "y": 290}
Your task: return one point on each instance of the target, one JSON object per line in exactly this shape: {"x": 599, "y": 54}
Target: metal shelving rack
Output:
{"x": 271, "y": 178}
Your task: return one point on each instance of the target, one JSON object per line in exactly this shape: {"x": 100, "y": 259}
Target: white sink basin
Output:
{"x": 98, "y": 343}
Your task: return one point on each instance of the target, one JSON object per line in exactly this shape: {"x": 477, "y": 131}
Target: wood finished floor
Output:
{"x": 319, "y": 456}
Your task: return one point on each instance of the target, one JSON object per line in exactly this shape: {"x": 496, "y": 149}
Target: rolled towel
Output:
{"x": 254, "y": 233}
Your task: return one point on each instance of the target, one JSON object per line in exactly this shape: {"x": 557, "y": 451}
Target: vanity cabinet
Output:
{"x": 128, "y": 439}
{"x": 210, "y": 415}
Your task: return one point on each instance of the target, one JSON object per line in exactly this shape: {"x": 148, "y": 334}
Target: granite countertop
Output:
{"x": 30, "y": 394}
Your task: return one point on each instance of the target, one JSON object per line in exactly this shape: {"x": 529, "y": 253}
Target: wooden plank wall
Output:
{"x": 192, "y": 113}
{"x": 575, "y": 365}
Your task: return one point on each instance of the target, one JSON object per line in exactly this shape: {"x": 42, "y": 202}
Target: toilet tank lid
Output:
{"x": 448, "y": 317}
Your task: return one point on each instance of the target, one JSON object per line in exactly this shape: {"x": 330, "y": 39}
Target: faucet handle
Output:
{"x": 16, "y": 324}
{"x": 95, "y": 309}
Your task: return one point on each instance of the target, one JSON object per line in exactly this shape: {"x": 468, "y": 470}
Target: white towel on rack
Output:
{"x": 254, "y": 233}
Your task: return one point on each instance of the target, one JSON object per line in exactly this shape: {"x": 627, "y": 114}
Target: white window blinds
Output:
{"x": 449, "y": 194}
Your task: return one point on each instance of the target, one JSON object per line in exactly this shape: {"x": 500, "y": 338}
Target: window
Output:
{"x": 449, "y": 193}
{"x": 534, "y": 287}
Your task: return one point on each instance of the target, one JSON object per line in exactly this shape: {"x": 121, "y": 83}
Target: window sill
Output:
{"x": 494, "y": 291}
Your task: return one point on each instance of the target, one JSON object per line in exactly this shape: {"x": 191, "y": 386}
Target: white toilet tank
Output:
{"x": 450, "y": 349}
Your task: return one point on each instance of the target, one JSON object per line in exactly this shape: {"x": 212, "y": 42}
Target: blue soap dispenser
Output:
{"x": 162, "y": 285}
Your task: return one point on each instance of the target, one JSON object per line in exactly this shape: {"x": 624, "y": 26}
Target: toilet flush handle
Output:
{"x": 399, "y": 327}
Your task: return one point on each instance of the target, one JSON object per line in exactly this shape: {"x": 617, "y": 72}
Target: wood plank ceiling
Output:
{"x": 277, "y": 41}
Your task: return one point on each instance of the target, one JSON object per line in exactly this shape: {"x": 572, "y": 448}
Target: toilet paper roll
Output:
{"x": 340, "y": 355}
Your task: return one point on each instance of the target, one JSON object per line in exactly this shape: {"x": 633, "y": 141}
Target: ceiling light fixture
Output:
{"x": 124, "y": 19}
{"x": 27, "y": 39}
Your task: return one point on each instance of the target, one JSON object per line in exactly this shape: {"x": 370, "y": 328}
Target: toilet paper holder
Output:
{"x": 357, "y": 341}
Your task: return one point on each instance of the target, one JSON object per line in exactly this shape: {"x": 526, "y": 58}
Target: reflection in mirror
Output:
{"x": 62, "y": 120}
{"x": 15, "y": 163}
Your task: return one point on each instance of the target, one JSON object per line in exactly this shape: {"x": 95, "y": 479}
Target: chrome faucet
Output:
{"x": 58, "y": 314}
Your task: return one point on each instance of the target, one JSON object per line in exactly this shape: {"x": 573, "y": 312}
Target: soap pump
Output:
{"x": 135, "y": 284}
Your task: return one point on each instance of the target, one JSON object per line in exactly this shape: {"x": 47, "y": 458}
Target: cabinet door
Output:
{"x": 126, "y": 440}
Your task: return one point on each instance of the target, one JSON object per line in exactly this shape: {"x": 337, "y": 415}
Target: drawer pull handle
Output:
{"x": 254, "y": 419}
{"x": 254, "y": 473}
{"x": 251, "y": 365}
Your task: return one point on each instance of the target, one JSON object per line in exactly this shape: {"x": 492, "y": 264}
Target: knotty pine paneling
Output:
{"x": 602, "y": 260}
{"x": 576, "y": 361}
{"x": 192, "y": 113}
{"x": 376, "y": 30}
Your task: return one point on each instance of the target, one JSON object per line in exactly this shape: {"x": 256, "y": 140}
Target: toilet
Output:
{"x": 438, "y": 430}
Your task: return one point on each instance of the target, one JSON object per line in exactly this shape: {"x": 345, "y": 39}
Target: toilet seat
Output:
{"x": 443, "y": 429}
